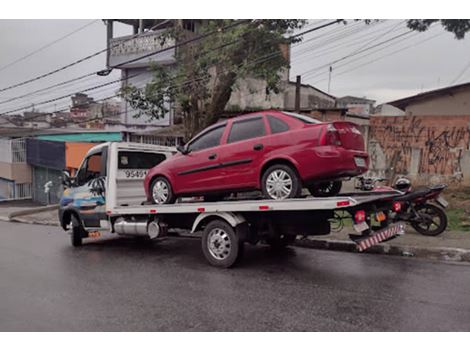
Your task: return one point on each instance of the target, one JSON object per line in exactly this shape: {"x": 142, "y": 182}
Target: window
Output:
{"x": 303, "y": 118}
{"x": 277, "y": 125}
{"x": 90, "y": 169}
{"x": 246, "y": 129}
{"x": 207, "y": 140}
{"x": 139, "y": 160}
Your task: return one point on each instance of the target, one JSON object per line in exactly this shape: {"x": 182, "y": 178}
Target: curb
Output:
{"x": 33, "y": 222}
{"x": 30, "y": 211}
{"x": 437, "y": 253}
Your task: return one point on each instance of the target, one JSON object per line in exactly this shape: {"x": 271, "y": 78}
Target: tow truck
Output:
{"x": 107, "y": 195}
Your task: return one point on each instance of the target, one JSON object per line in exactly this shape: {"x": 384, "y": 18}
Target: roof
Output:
{"x": 351, "y": 97}
{"x": 83, "y": 137}
{"x": 170, "y": 131}
{"x": 404, "y": 102}
{"x": 19, "y": 132}
{"x": 315, "y": 88}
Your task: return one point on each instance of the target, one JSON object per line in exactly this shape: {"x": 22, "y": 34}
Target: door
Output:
{"x": 199, "y": 170}
{"x": 244, "y": 151}
{"x": 86, "y": 200}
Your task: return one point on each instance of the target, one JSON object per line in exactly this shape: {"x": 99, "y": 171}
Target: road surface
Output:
{"x": 122, "y": 284}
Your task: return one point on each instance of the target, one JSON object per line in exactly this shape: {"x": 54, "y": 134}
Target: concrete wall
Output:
{"x": 250, "y": 94}
{"x": 456, "y": 103}
{"x": 428, "y": 149}
{"x": 18, "y": 172}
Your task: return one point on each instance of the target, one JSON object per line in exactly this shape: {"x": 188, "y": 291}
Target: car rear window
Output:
{"x": 139, "y": 160}
{"x": 246, "y": 129}
{"x": 277, "y": 125}
{"x": 303, "y": 118}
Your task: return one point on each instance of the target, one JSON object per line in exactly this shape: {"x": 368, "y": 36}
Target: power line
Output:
{"x": 162, "y": 50}
{"x": 186, "y": 42}
{"x": 46, "y": 46}
{"x": 71, "y": 64}
{"x": 383, "y": 56}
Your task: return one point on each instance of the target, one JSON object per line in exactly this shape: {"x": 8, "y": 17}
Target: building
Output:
{"x": 429, "y": 141}
{"x": 249, "y": 94}
{"x": 15, "y": 173}
{"x": 356, "y": 105}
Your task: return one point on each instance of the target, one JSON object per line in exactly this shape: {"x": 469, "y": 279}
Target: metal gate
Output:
{"x": 41, "y": 176}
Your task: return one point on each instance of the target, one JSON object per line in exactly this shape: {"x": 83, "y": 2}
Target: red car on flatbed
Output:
{"x": 273, "y": 151}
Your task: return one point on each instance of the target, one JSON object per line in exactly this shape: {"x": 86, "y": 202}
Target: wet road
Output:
{"x": 124, "y": 284}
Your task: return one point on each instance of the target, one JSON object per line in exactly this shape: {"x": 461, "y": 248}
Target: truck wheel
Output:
{"x": 78, "y": 232}
{"x": 325, "y": 189}
{"x": 161, "y": 191}
{"x": 220, "y": 244}
{"x": 280, "y": 182}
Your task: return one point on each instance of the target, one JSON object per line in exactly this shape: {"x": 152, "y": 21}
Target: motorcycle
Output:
{"x": 423, "y": 208}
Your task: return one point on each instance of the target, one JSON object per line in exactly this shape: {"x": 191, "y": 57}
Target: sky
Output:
{"x": 380, "y": 61}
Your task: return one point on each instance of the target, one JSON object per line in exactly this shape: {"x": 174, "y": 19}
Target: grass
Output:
{"x": 457, "y": 219}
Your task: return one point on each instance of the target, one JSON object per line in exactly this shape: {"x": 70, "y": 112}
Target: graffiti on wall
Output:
{"x": 420, "y": 145}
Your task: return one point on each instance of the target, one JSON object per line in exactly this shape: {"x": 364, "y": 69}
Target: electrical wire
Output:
{"x": 4, "y": 67}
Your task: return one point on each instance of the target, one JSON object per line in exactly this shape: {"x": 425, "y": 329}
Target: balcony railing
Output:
{"x": 128, "y": 48}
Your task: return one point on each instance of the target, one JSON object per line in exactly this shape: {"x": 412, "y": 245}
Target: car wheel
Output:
{"x": 325, "y": 189}
{"x": 280, "y": 182}
{"x": 78, "y": 232}
{"x": 161, "y": 191}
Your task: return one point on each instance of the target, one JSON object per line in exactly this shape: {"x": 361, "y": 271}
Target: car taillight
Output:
{"x": 396, "y": 207}
{"x": 360, "y": 216}
{"x": 330, "y": 136}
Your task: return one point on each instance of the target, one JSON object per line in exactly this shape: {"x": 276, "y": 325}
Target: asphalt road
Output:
{"x": 123, "y": 284}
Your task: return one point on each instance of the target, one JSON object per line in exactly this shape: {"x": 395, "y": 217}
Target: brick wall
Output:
{"x": 428, "y": 149}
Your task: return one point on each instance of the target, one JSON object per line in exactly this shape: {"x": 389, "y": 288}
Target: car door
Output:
{"x": 200, "y": 169}
{"x": 243, "y": 151}
{"x": 89, "y": 203}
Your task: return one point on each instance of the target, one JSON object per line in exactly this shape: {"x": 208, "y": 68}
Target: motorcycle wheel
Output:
{"x": 432, "y": 220}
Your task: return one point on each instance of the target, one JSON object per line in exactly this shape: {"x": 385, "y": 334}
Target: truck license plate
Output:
{"x": 360, "y": 162}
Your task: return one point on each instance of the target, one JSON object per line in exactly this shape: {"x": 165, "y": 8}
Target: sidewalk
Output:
{"x": 450, "y": 246}
{"x": 28, "y": 212}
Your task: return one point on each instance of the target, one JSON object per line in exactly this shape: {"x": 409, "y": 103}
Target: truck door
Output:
{"x": 89, "y": 189}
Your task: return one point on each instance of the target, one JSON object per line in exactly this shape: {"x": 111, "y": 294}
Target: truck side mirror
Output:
{"x": 66, "y": 178}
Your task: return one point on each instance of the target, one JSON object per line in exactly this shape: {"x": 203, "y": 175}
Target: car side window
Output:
{"x": 277, "y": 125}
{"x": 246, "y": 129}
{"x": 90, "y": 169}
{"x": 207, "y": 140}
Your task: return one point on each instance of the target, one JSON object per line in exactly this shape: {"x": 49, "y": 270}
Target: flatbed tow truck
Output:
{"x": 107, "y": 194}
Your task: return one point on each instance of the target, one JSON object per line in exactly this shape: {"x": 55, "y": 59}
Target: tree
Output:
{"x": 207, "y": 70}
{"x": 458, "y": 27}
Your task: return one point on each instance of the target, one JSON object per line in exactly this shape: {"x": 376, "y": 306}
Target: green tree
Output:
{"x": 458, "y": 27}
{"x": 207, "y": 70}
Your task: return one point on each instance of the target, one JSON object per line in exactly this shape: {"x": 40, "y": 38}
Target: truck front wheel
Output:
{"x": 78, "y": 232}
{"x": 220, "y": 244}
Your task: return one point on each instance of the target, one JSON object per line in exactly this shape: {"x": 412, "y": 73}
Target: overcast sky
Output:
{"x": 365, "y": 59}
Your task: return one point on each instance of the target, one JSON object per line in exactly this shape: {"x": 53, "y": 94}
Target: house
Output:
{"x": 429, "y": 141}
{"x": 356, "y": 105}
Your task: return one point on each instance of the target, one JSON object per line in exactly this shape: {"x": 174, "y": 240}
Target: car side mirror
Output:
{"x": 183, "y": 149}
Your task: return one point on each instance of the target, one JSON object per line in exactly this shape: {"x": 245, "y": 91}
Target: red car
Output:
{"x": 272, "y": 151}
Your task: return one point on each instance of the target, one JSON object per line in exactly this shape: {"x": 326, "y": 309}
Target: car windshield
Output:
{"x": 303, "y": 118}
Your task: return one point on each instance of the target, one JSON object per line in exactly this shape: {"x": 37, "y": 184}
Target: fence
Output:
{"x": 10, "y": 190}
{"x": 157, "y": 140}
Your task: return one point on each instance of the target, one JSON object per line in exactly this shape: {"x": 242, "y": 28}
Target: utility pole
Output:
{"x": 297, "y": 94}
{"x": 329, "y": 78}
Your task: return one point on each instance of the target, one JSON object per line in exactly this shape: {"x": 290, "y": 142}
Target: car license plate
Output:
{"x": 442, "y": 202}
{"x": 361, "y": 227}
{"x": 379, "y": 236}
{"x": 360, "y": 162}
